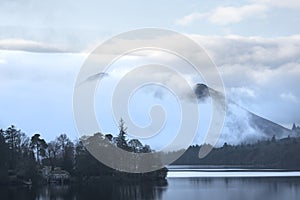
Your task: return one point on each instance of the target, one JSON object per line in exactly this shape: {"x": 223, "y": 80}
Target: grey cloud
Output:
{"x": 258, "y": 72}
{"x": 52, "y": 39}
{"x": 30, "y": 46}
{"x": 257, "y": 51}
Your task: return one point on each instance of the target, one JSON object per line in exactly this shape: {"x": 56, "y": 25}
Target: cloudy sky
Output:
{"x": 254, "y": 43}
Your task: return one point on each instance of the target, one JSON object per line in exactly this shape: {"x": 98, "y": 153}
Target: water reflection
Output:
{"x": 233, "y": 188}
{"x": 173, "y": 189}
{"x": 97, "y": 190}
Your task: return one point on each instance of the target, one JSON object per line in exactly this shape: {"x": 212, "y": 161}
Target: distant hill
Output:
{"x": 241, "y": 125}
{"x": 280, "y": 154}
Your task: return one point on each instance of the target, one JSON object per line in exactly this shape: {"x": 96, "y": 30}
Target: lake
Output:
{"x": 182, "y": 183}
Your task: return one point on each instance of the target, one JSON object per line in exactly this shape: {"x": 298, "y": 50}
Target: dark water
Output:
{"x": 173, "y": 188}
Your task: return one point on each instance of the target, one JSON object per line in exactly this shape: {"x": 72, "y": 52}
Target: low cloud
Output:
{"x": 261, "y": 74}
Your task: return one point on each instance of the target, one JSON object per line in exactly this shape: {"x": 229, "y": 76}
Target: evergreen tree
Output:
{"x": 121, "y": 138}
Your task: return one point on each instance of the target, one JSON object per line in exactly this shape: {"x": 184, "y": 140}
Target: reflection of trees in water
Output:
{"x": 144, "y": 190}
{"x": 105, "y": 190}
{"x": 253, "y": 187}
{"x": 218, "y": 182}
{"x": 16, "y": 193}
{"x": 54, "y": 192}
{"x": 176, "y": 188}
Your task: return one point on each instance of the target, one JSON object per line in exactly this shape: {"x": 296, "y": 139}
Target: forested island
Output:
{"x": 32, "y": 160}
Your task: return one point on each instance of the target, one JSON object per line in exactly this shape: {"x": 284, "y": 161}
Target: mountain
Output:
{"x": 241, "y": 125}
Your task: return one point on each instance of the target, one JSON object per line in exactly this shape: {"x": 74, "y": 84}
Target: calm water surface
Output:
{"x": 176, "y": 187}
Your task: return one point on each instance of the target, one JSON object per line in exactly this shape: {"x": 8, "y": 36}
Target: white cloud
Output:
{"x": 188, "y": 19}
{"x": 261, "y": 74}
{"x": 255, "y": 70}
{"x": 243, "y": 91}
{"x": 288, "y": 97}
{"x": 291, "y": 4}
{"x": 226, "y": 14}
{"x": 259, "y": 51}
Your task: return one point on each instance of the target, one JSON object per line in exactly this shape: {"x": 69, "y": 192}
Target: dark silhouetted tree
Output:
{"x": 66, "y": 149}
{"x": 294, "y": 127}
{"x": 135, "y": 145}
{"x": 4, "y": 159}
{"x": 121, "y": 138}
{"x": 273, "y": 138}
{"x": 52, "y": 153}
{"x": 13, "y": 139}
{"x": 39, "y": 146}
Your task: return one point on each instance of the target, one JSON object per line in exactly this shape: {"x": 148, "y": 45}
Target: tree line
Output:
{"x": 273, "y": 153}
{"x": 23, "y": 157}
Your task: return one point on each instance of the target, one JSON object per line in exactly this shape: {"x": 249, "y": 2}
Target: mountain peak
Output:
{"x": 241, "y": 125}
{"x": 202, "y": 91}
